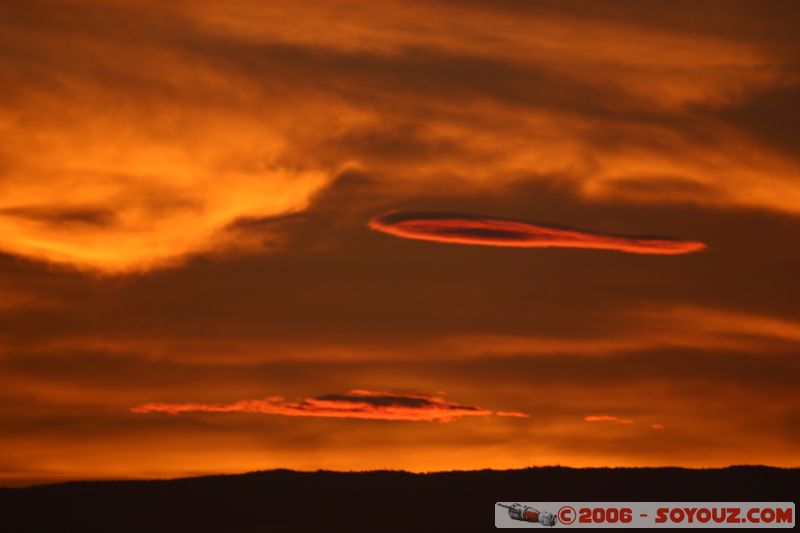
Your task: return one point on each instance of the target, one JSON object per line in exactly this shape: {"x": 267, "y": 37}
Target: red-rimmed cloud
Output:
{"x": 480, "y": 230}
{"x": 375, "y": 405}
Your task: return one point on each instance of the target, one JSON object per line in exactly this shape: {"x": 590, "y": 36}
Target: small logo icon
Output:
{"x": 566, "y": 515}
{"x": 528, "y": 514}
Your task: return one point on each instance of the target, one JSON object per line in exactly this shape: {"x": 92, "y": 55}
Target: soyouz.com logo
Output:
{"x": 645, "y": 514}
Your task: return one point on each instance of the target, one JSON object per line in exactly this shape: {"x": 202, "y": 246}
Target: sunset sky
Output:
{"x": 423, "y": 235}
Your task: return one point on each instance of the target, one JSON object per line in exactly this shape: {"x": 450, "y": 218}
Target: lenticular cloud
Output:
{"x": 479, "y": 230}
{"x": 376, "y": 405}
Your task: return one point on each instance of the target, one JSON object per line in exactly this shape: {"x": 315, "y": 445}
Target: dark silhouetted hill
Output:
{"x": 282, "y": 500}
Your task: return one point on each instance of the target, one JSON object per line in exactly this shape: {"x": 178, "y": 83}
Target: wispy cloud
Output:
{"x": 608, "y": 418}
{"x": 512, "y": 414}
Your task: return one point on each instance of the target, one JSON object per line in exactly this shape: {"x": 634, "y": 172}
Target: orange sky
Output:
{"x": 185, "y": 194}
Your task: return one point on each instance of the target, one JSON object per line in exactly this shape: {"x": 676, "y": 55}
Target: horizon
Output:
{"x": 48, "y": 483}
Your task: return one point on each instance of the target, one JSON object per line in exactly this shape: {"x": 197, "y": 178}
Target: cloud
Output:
{"x": 126, "y": 148}
{"x": 475, "y": 229}
{"x": 125, "y": 158}
{"x": 607, "y": 418}
{"x": 15, "y": 299}
{"x": 646, "y": 328}
{"x": 651, "y": 327}
{"x": 373, "y": 405}
{"x": 512, "y": 414}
